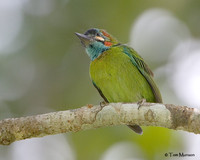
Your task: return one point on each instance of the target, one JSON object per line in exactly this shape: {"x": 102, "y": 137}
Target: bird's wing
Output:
{"x": 138, "y": 61}
{"x": 100, "y": 92}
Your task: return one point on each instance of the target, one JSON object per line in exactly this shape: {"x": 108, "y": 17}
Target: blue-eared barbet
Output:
{"x": 117, "y": 71}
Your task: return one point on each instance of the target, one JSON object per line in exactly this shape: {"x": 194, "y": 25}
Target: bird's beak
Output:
{"x": 85, "y": 40}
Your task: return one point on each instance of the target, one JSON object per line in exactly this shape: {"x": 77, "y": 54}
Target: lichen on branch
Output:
{"x": 91, "y": 117}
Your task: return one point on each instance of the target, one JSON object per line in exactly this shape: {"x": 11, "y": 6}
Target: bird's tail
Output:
{"x": 137, "y": 129}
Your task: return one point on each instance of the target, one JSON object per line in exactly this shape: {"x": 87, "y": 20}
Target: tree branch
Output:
{"x": 90, "y": 117}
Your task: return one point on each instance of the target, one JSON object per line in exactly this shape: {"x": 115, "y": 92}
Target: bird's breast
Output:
{"x": 117, "y": 78}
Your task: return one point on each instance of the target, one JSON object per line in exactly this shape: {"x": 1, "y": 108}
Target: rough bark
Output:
{"x": 90, "y": 117}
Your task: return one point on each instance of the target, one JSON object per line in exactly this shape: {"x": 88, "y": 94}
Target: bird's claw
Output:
{"x": 141, "y": 102}
{"x": 103, "y": 104}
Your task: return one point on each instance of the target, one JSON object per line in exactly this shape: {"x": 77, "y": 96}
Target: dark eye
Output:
{"x": 98, "y": 34}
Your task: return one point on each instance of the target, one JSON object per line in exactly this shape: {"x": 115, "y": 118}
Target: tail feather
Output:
{"x": 137, "y": 129}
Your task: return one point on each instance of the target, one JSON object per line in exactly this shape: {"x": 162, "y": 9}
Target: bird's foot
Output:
{"x": 141, "y": 102}
{"x": 103, "y": 104}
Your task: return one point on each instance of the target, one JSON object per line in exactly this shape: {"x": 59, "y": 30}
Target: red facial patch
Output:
{"x": 106, "y": 43}
{"x": 106, "y": 34}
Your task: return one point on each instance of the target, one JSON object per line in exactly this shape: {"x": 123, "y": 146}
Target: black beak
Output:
{"x": 85, "y": 40}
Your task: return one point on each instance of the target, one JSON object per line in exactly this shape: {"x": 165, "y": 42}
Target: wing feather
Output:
{"x": 138, "y": 61}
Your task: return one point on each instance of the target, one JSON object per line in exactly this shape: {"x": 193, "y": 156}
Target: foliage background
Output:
{"x": 44, "y": 68}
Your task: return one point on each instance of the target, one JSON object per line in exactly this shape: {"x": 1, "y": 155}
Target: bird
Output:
{"x": 117, "y": 71}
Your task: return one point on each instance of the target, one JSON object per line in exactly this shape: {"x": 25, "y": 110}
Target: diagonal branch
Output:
{"x": 90, "y": 117}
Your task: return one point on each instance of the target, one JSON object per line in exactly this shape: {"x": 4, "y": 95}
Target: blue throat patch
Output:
{"x": 95, "y": 49}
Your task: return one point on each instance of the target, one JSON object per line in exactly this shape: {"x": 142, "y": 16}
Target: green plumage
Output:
{"x": 120, "y": 80}
{"x": 117, "y": 71}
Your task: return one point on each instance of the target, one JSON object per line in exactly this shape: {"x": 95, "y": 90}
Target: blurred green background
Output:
{"x": 44, "y": 68}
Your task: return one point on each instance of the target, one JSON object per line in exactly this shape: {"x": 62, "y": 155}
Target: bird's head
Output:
{"x": 96, "y": 41}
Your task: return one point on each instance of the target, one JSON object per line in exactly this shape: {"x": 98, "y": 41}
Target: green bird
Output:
{"x": 117, "y": 71}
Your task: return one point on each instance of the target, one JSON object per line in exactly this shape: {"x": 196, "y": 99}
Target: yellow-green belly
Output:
{"x": 118, "y": 79}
